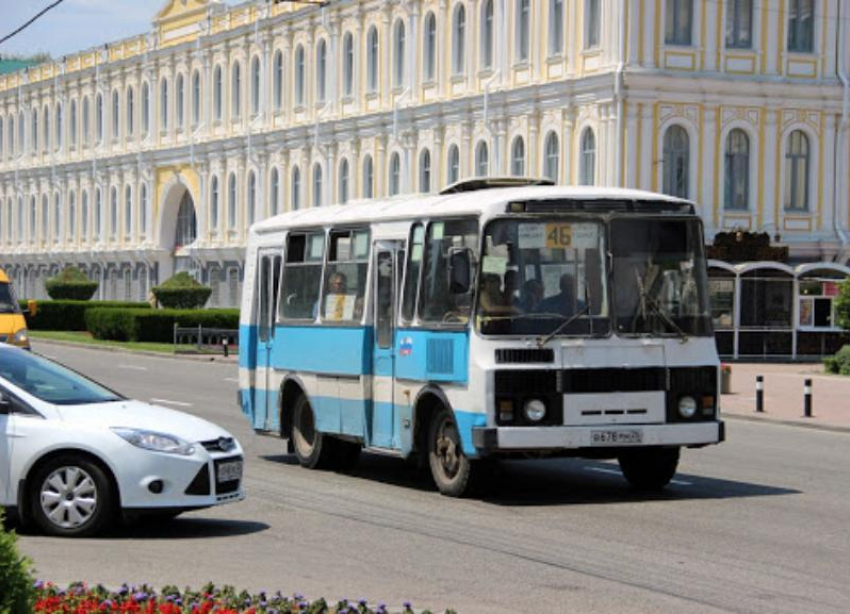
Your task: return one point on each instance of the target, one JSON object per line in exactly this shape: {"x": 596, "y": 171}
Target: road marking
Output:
{"x": 134, "y": 367}
{"x": 231, "y": 379}
{"x": 618, "y": 472}
{"x": 168, "y": 402}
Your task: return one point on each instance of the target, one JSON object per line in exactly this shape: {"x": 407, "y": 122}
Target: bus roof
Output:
{"x": 491, "y": 201}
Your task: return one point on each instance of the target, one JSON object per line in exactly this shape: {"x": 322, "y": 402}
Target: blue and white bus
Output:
{"x": 497, "y": 319}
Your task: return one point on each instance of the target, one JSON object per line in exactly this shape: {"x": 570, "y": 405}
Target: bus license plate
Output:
{"x": 618, "y": 437}
{"x": 230, "y": 471}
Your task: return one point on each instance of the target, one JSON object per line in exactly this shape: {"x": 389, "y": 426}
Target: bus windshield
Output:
{"x": 7, "y": 299}
{"x": 659, "y": 277}
{"x": 543, "y": 275}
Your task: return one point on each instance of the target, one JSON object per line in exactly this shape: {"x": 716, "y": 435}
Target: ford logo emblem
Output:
{"x": 225, "y": 444}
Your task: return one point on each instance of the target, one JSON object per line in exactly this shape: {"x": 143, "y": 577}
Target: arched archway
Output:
{"x": 178, "y": 226}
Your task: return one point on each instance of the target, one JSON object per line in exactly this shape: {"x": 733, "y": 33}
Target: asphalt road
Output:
{"x": 760, "y": 524}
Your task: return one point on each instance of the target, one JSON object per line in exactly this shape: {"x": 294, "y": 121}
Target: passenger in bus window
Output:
{"x": 493, "y": 300}
{"x": 531, "y": 295}
{"x": 564, "y": 302}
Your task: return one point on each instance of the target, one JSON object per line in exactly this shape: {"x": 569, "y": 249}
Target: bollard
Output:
{"x": 759, "y": 393}
{"x": 807, "y": 398}
{"x": 225, "y": 345}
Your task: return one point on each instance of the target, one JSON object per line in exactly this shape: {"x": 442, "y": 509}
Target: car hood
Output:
{"x": 144, "y": 416}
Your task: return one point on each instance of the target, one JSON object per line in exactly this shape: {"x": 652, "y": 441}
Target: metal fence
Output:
{"x": 205, "y": 340}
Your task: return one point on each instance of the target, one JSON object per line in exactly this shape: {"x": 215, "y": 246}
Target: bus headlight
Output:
{"x": 535, "y": 410}
{"x": 687, "y": 407}
{"x": 21, "y": 338}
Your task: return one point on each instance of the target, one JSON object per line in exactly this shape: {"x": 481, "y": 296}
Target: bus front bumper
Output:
{"x": 516, "y": 438}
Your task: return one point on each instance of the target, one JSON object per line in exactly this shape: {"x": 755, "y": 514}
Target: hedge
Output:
{"x": 182, "y": 292}
{"x": 70, "y": 315}
{"x": 16, "y": 583}
{"x": 70, "y": 285}
{"x": 155, "y": 325}
{"x": 839, "y": 363}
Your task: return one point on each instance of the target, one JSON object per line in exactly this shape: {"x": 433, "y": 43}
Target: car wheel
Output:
{"x": 450, "y": 467}
{"x": 312, "y": 448}
{"x": 70, "y": 496}
{"x": 649, "y": 469}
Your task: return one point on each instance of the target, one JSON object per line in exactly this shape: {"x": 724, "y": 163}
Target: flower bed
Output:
{"x": 82, "y": 599}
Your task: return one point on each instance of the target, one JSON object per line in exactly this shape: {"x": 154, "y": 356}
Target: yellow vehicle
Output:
{"x": 13, "y": 327}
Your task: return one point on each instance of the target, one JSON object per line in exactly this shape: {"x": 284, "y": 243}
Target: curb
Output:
{"x": 834, "y": 428}
{"x": 105, "y": 348}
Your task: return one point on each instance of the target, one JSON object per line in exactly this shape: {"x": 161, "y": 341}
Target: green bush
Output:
{"x": 839, "y": 363}
{"x": 17, "y": 593}
{"x": 155, "y": 325}
{"x": 70, "y": 315}
{"x": 182, "y": 292}
{"x": 842, "y": 305}
{"x": 71, "y": 285}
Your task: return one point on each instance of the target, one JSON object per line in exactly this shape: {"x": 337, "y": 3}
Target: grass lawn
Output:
{"x": 86, "y": 338}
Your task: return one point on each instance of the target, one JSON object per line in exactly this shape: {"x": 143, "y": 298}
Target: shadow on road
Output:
{"x": 186, "y": 527}
{"x": 571, "y": 481}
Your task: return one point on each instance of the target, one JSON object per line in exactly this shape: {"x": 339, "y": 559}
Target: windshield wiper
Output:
{"x": 543, "y": 340}
{"x": 663, "y": 315}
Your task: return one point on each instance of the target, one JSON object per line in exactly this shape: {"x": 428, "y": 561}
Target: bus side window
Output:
{"x": 345, "y": 276}
{"x": 411, "y": 276}
{"x": 437, "y": 304}
{"x": 302, "y": 276}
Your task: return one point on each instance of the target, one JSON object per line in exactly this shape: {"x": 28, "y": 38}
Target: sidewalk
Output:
{"x": 783, "y": 395}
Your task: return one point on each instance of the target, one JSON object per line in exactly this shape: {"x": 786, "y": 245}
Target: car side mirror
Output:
{"x": 32, "y": 308}
{"x": 5, "y": 405}
{"x": 460, "y": 270}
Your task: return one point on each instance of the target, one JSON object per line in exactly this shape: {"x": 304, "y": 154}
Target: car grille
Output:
{"x": 222, "y": 444}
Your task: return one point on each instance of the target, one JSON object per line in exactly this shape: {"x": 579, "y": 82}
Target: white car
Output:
{"x": 75, "y": 455}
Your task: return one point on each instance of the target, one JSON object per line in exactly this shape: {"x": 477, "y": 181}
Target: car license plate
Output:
{"x": 616, "y": 437}
{"x": 230, "y": 471}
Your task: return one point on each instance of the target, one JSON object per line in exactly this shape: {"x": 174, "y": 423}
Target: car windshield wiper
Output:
{"x": 543, "y": 340}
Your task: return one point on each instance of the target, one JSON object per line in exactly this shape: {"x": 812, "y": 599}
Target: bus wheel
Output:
{"x": 649, "y": 469}
{"x": 311, "y": 447}
{"x": 450, "y": 467}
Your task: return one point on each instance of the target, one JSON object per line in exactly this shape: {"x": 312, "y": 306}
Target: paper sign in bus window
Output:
{"x": 339, "y": 307}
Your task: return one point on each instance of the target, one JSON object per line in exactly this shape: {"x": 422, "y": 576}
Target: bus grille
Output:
{"x": 614, "y": 380}
{"x": 524, "y": 356}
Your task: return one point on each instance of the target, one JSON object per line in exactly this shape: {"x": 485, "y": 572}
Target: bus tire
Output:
{"x": 649, "y": 469}
{"x": 312, "y": 448}
{"x": 450, "y": 467}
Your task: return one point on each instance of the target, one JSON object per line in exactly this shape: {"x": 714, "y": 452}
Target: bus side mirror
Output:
{"x": 460, "y": 270}
{"x": 32, "y": 308}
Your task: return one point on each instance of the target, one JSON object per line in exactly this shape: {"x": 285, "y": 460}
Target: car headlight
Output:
{"x": 21, "y": 338}
{"x": 687, "y": 407}
{"x": 157, "y": 442}
{"x": 535, "y": 410}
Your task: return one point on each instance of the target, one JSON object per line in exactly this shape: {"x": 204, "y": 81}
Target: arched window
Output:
{"x": 278, "y": 80}
{"x": 587, "y": 160}
{"x": 343, "y": 181}
{"x": 196, "y": 98}
{"x": 425, "y": 171}
{"x": 33, "y": 219}
{"x": 797, "y": 164}
{"x": 372, "y": 60}
{"x": 348, "y": 64}
{"x": 556, "y": 27}
{"x": 21, "y": 131}
{"x": 398, "y": 53}
{"x": 739, "y": 24}
{"x": 116, "y": 115}
{"x": 482, "y": 159}
{"x": 72, "y": 215}
{"x": 57, "y": 139}
{"x": 523, "y": 25}
{"x": 274, "y": 192}
{"x": 34, "y": 140}
{"x": 801, "y": 26}
{"x": 737, "y": 170}
{"x": 187, "y": 222}
{"x": 146, "y": 109}
{"x": 592, "y": 24}
{"x": 57, "y": 217}
{"x": 395, "y": 174}
{"x": 98, "y": 214}
{"x": 487, "y": 34}
{"x": 143, "y": 210}
{"x": 295, "y": 187}
{"x": 218, "y": 94}
{"x": 430, "y": 43}
{"x": 317, "y": 185}
{"x": 255, "y": 85}
{"x": 113, "y": 213}
{"x": 20, "y": 219}
{"x": 552, "y": 159}
{"x": 518, "y": 157}
{"x": 45, "y": 217}
{"x": 128, "y": 211}
{"x": 84, "y": 216}
{"x": 368, "y": 177}
{"x": 214, "y": 205}
{"x": 180, "y": 100}
{"x": 46, "y": 132}
{"x": 252, "y": 197}
{"x": 236, "y": 91}
{"x": 299, "y": 76}
{"x": 321, "y": 70}
{"x": 72, "y": 125}
{"x": 130, "y": 110}
{"x": 231, "y": 202}
{"x": 163, "y": 104}
{"x": 677, "y": 157}
{"x": 453, "y": 164}
{"x": 679, "y": 21}
{"x": 459, "y": 40}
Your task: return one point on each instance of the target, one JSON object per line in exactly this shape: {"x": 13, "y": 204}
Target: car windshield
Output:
{"x": 49, "y": 381}
{"x": 659, "y": 277}
{"x": 543, "y": 276}
{"x": 7, "y": 299}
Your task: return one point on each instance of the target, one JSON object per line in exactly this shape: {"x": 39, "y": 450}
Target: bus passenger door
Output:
{"x": 383, "y": 363}
{"x": 265, "y": 405}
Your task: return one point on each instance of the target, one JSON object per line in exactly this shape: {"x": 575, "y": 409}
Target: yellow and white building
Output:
{"x": 156, "y": 153}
